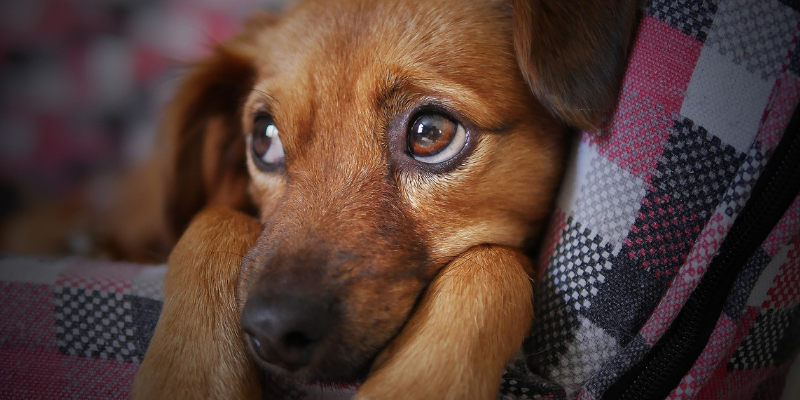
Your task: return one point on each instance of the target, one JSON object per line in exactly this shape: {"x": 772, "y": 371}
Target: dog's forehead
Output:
{"x": 459, "y": 40}
{"x": 338, "y": 56}
{"x": 400, "y": 22}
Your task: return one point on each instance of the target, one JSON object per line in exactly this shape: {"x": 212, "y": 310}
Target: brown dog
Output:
{"x": 399, "y": 155}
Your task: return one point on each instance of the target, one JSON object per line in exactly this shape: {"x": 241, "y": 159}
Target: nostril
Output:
{"x": 263, "y": 349}
{"x": 290, "y": 351}
{"x": 297, "y": 340}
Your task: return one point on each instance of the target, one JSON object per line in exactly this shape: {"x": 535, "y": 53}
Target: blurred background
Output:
{"x": 82, "y": 83}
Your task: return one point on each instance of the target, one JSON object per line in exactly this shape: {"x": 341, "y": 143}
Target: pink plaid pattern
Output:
{"x": 785, "y": 96}
{"x": 82, "y": 335}
{"x": 707, "y": 96}
{"x": 638, "y": 133}
{"x": 660, "y": 68}
{"x": 30, "y": 322}
{"x": 783, "y": 232}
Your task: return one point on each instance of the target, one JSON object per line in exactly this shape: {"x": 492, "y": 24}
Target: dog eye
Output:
{"x": 434, "y": 138}
{"x": 265, "y": 142}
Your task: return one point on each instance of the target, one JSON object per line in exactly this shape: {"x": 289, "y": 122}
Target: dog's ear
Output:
{"x": 206, "y": 159}
{"x": 573, "y": 54}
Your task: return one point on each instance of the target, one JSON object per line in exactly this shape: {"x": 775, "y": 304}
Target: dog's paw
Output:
{"x": 469, "y": 323}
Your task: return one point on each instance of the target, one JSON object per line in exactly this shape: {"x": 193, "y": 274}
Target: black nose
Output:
{"x": 286, "y": 331}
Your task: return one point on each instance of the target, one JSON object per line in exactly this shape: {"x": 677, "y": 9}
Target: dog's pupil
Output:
{"x": 430, "y": 134}
{"x": 429, "y": 130}
{"x": 261, "y": 144}
{"x": 263, "y": 131}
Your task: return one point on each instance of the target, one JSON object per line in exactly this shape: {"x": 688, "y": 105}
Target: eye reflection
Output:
{"x": 434, "y": 138}
{"x": 265, "y": 141}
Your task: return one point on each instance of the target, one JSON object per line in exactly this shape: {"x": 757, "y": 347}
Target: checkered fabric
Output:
{"x": 709, "y": 91}
{"x": 74, "y": 329}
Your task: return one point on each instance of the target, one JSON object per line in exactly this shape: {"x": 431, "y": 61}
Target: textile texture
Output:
{"x": 645, "y": 205}
{"x": 709, "y": 91}
{"x": 74, "y": 329}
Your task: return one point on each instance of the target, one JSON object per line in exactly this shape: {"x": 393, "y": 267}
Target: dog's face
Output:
{"x": 381, "y": 139}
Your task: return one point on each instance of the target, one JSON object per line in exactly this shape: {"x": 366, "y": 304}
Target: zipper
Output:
{"x": 670, "y": 359}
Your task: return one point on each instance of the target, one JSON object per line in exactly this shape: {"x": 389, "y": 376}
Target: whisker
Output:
{"x": 542, "y": 351}
{"x": 265, "y": 94}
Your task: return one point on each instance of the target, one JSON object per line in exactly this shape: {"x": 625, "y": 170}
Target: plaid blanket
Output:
{"x": 73, "y": 328}
{"x": 709, "y": 91}
{"x": 645, "y": 206}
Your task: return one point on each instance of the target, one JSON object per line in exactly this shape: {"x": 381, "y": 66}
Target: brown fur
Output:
{"x": 197, "y": 352}
{"x": 420, "y": 264}
{"x": 572, "y": 53}
{"x": 340, "y": 103}
{"x": 484, "y": 288}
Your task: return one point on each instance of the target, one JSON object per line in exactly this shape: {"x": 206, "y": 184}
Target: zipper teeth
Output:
{"x": 755, "y": 222}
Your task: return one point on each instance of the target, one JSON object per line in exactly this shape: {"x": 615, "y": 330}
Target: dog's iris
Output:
{"x": 265, "y": 141}
{"x": 434, "y": 138}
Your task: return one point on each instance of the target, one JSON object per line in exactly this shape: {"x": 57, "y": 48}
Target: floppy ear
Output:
{"x": 573, "y": 54}
{"x": 206, "y": 160}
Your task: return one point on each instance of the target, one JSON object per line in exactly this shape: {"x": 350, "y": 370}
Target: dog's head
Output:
{"x": 377, "y": 141}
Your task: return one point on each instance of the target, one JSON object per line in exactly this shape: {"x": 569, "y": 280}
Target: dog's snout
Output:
{"x": 286, "y": 331}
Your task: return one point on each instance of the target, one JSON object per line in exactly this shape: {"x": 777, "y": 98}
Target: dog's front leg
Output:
{"x": 469, "y": 323}
{"x": 196, "y": 351}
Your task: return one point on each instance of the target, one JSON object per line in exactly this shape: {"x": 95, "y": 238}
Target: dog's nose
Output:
{"x": 285, "y": 331}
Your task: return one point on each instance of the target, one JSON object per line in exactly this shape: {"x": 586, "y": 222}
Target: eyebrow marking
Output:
{"x": 396, "y": 93}
{"x": 265, "y": 97}
{"x": 393, "y": 93}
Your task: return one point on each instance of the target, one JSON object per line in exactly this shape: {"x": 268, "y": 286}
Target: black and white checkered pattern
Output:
{"x": 750, "y": 170}
{"x": 584, "y": 356}
{"x": 553, "y": 327}
{"x": 774, "y": 338}
{"x": 518, "y": 383}
{"x": 692, "y": 17}
{"x": 694, "y": 172}
{"x": 755, "y": 33}
{"x": 609, "y": 201}
{"x": 93, "y": 323}
{"x": 579, "y": 264}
